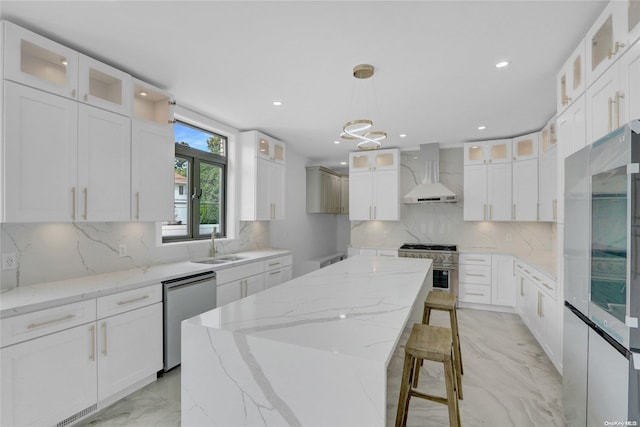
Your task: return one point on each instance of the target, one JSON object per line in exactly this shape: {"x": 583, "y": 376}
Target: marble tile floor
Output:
{"x": 508, "y": 381}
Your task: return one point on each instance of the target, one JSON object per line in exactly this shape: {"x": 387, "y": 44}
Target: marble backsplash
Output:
{"x": 48, "y": 252}
{"x": 443, "y": 222}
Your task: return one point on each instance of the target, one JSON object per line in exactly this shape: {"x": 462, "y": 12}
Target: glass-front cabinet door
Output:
{"x": 525, "y": 147}
{"x": 38, "y": 62}
{"x": 104, "y": 86}
{"x": 633, "y": 20}
{"x": 270, "y": 149}
{"x": 607, "y": 39}
{"x": 474, "y": 153}
{"x": 571, "y": 78}
{"x": 373, "y": 160}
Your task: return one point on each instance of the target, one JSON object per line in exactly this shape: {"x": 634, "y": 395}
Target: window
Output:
{"x": 200, "y": 171}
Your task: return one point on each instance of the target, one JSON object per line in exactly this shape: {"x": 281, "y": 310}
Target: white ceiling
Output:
{"x": 435, "y": 76}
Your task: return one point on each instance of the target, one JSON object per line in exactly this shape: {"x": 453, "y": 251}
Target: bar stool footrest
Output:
{"x": 425, "y": 396}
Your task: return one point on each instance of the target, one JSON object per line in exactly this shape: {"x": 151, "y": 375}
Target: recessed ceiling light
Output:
{"x": 336, "y": 142}
{"x": 482, "y": 127}
{"x": 277, "y": 103}
{"x": 143, "y": 93}
{"x": 502, "y": 64}
{"x": 63, "y": 61}
{"x": 403, "y": 135}
{"x": 343, "y": 163}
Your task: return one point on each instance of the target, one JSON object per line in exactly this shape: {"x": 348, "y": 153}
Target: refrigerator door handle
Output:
{"x": 636, "y": 360}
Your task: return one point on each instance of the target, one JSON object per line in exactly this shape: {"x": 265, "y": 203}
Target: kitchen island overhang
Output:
{"x": 310, "y": 352}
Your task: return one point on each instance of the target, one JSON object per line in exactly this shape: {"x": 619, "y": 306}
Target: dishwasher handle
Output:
{"x": 189, "y": 280}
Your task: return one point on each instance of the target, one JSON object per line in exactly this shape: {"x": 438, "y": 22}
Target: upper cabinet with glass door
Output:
{"x": 360, "y": 161}
{"x": 548, "y": 139}
{"x": 571, "y": 79}
{"x": 105, "y": 87}
{"x": 525, "y": 147}
{"x": 152, "y": 104}
{"x": 608, "y": 37}
{"x": 270, "y": 149}
{"x": 38, "y": 62}
{"x": 483, "y": 152}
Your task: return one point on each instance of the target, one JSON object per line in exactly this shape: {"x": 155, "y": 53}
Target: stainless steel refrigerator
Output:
{"x": 601, "y": 345}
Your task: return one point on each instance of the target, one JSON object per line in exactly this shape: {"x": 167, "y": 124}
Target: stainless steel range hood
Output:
{"x": 430, "y": 190}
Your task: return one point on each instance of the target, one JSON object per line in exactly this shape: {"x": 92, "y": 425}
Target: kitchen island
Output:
{"x": 310, "y": 352}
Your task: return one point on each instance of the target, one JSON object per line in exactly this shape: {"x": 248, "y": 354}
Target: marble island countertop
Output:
{"x": 312, "y": 351}
{"x": 25, "y": 299}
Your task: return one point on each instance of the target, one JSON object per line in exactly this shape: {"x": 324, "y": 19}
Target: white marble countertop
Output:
{"x": 25, "y": 299}
{"x": 544, "y": 263}
{"x": 313, "y": 351}
{"x": 356, "y": 307}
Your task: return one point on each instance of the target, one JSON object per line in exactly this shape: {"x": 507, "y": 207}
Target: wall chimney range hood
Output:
{"x": 430, "y": 190}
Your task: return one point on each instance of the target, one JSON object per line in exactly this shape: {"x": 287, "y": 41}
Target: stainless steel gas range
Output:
{"x": 445, "y": 263}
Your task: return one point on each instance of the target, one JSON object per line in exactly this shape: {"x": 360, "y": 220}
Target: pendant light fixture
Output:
{"x": 359, "y": 130}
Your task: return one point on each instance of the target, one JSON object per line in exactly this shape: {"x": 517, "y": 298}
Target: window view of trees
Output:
{"x": 200, "y": 166}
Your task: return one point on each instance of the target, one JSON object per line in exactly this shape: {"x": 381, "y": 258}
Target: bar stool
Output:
{"x": 428, "y": 343}
{"x": 445, "y": 301}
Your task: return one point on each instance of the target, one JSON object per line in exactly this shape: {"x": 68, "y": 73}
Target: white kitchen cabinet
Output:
{"x": 503, "y": 280}
{"x": 571, "y": 79}
{"x": 152, "y": 104}
{"x": 104, "y": 86}
{"x": 262, "y": 180}
{"x": 104, "y": 165}
{"x": 277, "y": 270}
{"x": 38, "y": 62}
{"x": 362, "y": 161}
{"x": 571, "y": 137}
{"x": 607, "y": 39}
{"x": 228, "y": 292}
{"x": 152, "y": 176}
{"x": 474, "y": 278}
{"x": 603, "y": 105}
{"x": 40, "y": 156}
{"x": 129, "y": 349}
{"x": 525, "y": 147}
{"x": 270, "y": 149}
{"x": 629, "y": 80}
{"x": 487, "y": 192}
{"x": 525, "y": 190}
{"x": 523, "y": 285}
{"x": 548, "y": 186}
{"x": 49, "y": 379}
{"x": 253, "y": 285}
{"x": 484, "y": 152}
{"x": 374, "y": 193}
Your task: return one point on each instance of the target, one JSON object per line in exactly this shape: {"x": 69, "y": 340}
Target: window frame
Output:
{"x": 195, "y": 157}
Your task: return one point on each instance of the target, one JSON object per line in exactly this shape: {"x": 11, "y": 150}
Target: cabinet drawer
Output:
{"x": 544, "y": 283}
{"x": 275, "y": 263}
{"x": 129, "y": 300}
{"x": 479, "y": 274}
{"x": 474, "y": 293}
{"x": 475, "y": 259}
{"x": 32, "y": 325}
{"x": 236, "y": 273}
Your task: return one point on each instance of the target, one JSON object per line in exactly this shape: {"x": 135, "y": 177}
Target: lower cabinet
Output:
{"x": 129, "y": 349}
{"x": 68, "y": 371}
{"x": 238, "y": 282}
{"x": 503, "y": 285}
{"x": 48, "y": 379}
{"x": 474, "y": 278}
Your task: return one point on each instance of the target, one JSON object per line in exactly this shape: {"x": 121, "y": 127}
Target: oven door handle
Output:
{"x": 445, "y": 267}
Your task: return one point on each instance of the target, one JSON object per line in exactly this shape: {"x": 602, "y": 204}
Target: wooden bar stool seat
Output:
{"x": 433, "y": 343}
{"x": 445, "y": 301}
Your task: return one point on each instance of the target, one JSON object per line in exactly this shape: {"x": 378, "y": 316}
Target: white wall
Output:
{"x": 307, "y": 235}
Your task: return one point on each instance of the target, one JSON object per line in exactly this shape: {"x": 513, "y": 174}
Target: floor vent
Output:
{"x": 77, "y": 416}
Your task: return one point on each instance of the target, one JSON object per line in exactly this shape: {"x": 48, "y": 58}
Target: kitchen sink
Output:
{"x": 231, "y": 258}
{"x": 211, "y": 261}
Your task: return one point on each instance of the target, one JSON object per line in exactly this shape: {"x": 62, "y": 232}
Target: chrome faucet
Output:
{"x": 212, "y": 252}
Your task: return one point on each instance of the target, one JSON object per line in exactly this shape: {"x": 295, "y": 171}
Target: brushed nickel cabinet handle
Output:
{"x": 475, "y": 259}
{"x": 513, "y": 261}
{"x": 474, "y": 293}
{"x": 476, "y": 275}
{"x": 610, "y": 113}
{"x": 275, "y": 272}
{"x": 93, "y": 342}
{"x": 48, "y": 322}
{"x": 271, "y": 264}
{"x": 375, "y": 214}
{"x": 86, "y": 97}
{"x": 619, "y": 96}
{"x": 73, "y": 93}
{"x": 85, "y": 191}
{"x": 73, "y": 203}
{"x": 490, "y": 212}
{"x": 133, "y": 300}
{"x": 104, "y": 338}
{"x": 137, "y": 205}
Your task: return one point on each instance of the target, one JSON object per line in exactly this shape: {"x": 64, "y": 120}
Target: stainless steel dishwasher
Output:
{"x": 184, "y": 298}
